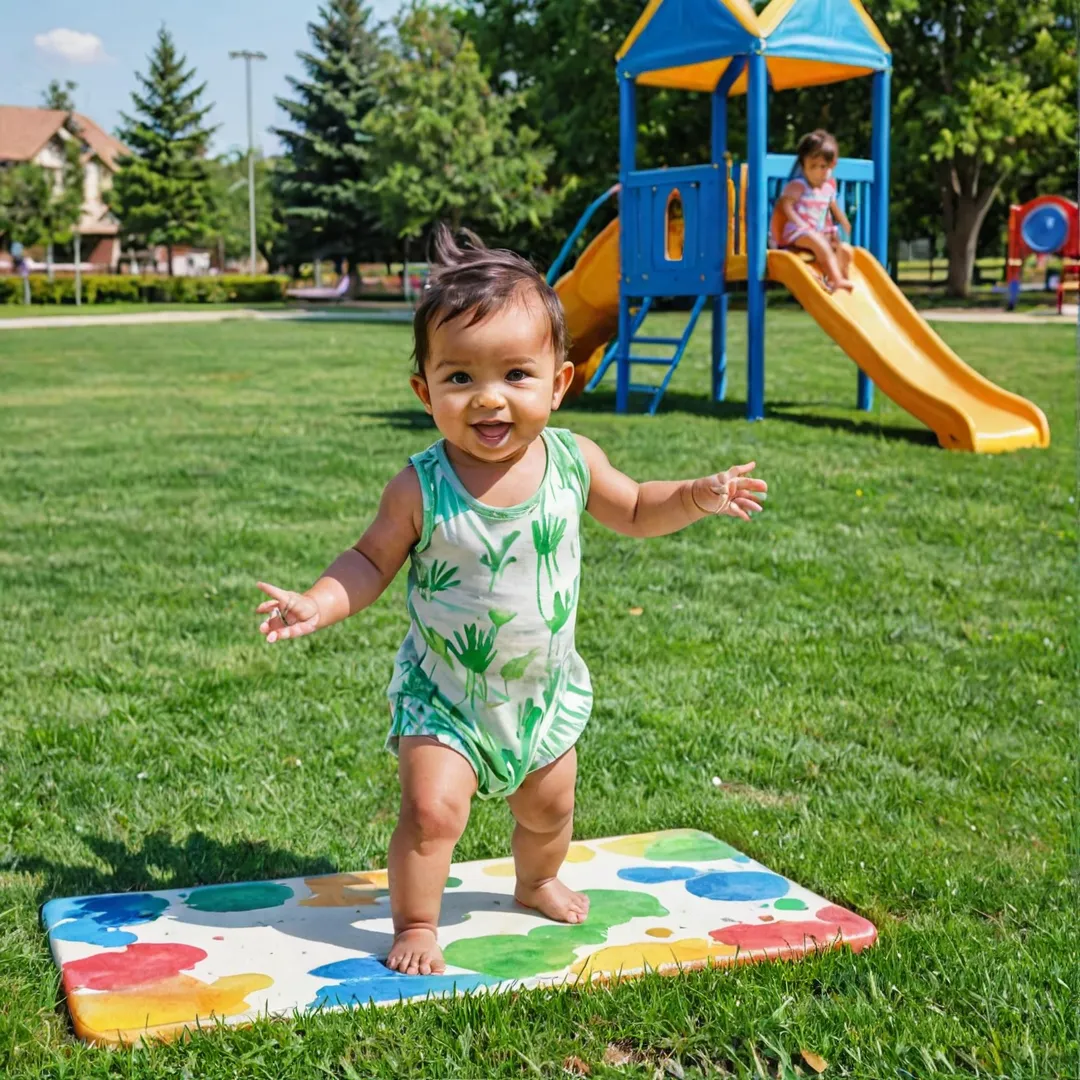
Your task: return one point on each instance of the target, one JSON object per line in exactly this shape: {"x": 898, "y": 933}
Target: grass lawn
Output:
{"x": 33, "y": 311}
{"x": 880, "y": 668}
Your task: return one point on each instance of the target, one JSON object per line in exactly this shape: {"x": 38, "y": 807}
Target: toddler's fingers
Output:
{"x": 266, "y": 607}
{"x": 281, "y": 595}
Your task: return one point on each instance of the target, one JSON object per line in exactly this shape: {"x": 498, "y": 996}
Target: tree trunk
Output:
{"x": 964, "y": 208}
{"x": 168, "y": 255}
{"x": 49, "y": 261}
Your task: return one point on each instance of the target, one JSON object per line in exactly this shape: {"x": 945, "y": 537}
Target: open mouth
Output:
{"x": 492, "y": 433}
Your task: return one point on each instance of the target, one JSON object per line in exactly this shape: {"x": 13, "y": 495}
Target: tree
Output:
{"x": 986, "y": 94}
{"x": 229, "y": 177}
{"x": 161, "y": 192}
{"x": 322, "y": 180}
{"x": 24, "y": 193}
{"x": 58, "y": 95}
{"x": 444, "y": 145}
{"x": 61, "y": 212}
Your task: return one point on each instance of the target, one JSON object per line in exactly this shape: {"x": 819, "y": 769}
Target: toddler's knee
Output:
{"x": 548, "y": 814}
{"x": 432, "y": 817}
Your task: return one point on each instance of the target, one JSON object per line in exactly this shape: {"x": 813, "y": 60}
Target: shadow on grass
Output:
{"x": 790, "y": 412}
{"x": 163, "y": 863}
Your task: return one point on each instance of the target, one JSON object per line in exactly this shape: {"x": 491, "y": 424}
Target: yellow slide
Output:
{"x": 880, "y": 330}
{"x": 590, "y": 297}
{"x": 874, "y": 324}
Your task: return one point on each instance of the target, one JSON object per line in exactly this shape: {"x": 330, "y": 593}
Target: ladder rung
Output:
{"x": 643, "y": 388}
{"x": 658, "y": 340}
{"x": 667, "y": 361}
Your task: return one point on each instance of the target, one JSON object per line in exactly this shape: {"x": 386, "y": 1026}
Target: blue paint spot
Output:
{"x": 96, "y": 920}
{"x": 367, "y": 979}
{"x": 651, "y": 875}
{"x": 740, "y": 885}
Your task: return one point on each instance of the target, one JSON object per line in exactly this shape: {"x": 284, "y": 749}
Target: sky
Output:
{"x": 101, "y": 46}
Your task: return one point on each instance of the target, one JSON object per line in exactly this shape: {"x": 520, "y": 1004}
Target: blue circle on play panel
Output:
{"x": 1045, "y": 229}
{"x": 740, "y": 885}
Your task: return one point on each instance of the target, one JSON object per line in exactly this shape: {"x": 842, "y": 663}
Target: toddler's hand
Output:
{"x": 729, "y": 492}
{"x": 292, "y": 615}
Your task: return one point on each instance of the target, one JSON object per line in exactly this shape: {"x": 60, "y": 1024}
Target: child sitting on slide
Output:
{"x": 808, "y": 210}
{"x": 489, "y": 694}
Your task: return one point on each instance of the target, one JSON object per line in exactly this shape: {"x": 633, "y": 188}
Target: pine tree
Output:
{"x": 322, "y": 176}
{"x": 162, "y": 192}
{"x": 58, "y": 95}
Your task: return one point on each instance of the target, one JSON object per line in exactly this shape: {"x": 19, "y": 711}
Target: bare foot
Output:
{"x": 554, "y": 900}
{"x": 845, "y": 283}
{"x": 416, "y": 952}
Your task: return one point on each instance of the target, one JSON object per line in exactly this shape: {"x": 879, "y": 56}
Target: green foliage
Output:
{"x": 118, "y": 288}
{"x": 24, "y": 194}
{"x": 58, "y": 95}
{"x": 322, "y": 178}
{"x": 162, "y": 192}
{"x": 445, "y": 146}
{"x": 63, "y": 208}
{"x": 986, "y": 97}
{"x": 229, "y": 182}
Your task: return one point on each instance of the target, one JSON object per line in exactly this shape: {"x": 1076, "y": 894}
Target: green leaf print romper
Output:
{"x": 488, "y": 666}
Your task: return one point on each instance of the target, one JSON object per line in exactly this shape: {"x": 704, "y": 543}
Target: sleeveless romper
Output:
{"x": 488, "y": 666}
{"x": 812, "y": 210}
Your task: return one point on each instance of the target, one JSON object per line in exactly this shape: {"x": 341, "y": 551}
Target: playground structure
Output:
{"x": 1048, "y": 225}
{"x": 689, "y": 231}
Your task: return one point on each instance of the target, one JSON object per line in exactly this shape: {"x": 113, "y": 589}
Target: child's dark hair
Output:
{"x": 817, "y": 144}
{"x": 467, "y": 276}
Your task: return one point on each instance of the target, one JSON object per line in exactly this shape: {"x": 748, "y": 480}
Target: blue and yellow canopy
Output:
{"x": 689, "y": 44}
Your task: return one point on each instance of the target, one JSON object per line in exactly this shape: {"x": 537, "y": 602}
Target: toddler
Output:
{"x": 489, "y": 695}
{"x": 807, "y": 203}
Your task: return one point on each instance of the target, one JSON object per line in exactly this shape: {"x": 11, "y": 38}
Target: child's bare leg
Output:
{"x": 825, "y": 257}
{"x": 843, "y": 257}
{"x": 544, "y": 810}
{"x": 437, "y": 786}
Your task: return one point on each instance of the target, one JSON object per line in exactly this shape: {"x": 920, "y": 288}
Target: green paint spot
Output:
{"x": 789, "y": 903}
{"x": 690, "y": 845}
{"x": 549, "y": 948}
{"x": 453, "y": 882}
{"x": 248, "y": 897}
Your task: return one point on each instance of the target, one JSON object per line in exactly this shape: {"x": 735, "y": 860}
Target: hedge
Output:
{"x": 113, "y": 288}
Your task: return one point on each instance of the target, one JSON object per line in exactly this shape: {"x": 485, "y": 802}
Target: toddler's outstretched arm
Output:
{"x": 659, "y": 507}
{"x": 357, "y": 577}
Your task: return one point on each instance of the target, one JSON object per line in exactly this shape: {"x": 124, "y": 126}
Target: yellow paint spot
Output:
{"x": 345, "y": 890}
{"x": 500, "y": 869}
{"x": 652, "y": 954}
{"x": 659, "y": 931}
{"x": 160, "y": 1007}
{"x": 580, "y": 853}
{"x": 631, "y": 845}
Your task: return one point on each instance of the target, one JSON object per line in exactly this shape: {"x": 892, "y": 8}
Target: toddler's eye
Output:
{"x": 517, "y": 375}
{"x": 459, "y": 378}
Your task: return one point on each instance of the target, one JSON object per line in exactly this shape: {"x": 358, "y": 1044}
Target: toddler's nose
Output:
{"x": 488, "y": 397}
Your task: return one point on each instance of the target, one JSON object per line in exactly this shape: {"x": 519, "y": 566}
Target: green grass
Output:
{"x": 24, "y": 311}
{"x": 880, "y": 667}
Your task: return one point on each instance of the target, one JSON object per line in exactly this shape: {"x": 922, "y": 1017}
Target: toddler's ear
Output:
{"x": 563, "y": 378}
{"x": 421, "y": 390}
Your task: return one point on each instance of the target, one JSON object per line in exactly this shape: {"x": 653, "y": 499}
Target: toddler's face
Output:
{"x": 492, "y": 387}
{"x": 816, "y": 169}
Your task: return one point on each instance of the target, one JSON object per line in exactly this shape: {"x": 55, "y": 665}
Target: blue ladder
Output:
{"x": 679, "y": 344}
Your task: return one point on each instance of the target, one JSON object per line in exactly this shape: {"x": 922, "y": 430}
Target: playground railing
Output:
{"x": 579, "y": 228}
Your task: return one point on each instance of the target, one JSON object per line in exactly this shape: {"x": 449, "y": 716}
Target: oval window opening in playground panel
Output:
{"x": 1045, "y": 229}
{"x": 674, "y": 227}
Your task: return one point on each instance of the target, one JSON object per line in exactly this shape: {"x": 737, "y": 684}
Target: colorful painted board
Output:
{"x": 149, "y": 964}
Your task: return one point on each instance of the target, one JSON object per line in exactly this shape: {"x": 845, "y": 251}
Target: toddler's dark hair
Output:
{"x": 817, "y": 144}
{"x": 467, "y": 276}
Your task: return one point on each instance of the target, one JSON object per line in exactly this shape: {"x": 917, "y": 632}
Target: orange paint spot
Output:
{"x": 346, "y": 890}
{"x": 659, "y": 931}
{"x": 766, "y": 918}
{"x": 616, "y": 959}
{"x": 125, "y": 1015}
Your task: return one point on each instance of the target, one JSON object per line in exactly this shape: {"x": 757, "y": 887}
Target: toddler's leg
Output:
{"x": 544, "y": 810}
{"x": 825, "y": 256}
{"x": 843, "y": 256}
{"x": 437, "y": 786}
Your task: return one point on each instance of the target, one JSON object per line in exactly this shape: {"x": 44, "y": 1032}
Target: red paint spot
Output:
{"x": 830, "y": 922}
{"x": 133, "y": 965}
{"x": 218, "y": 937}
